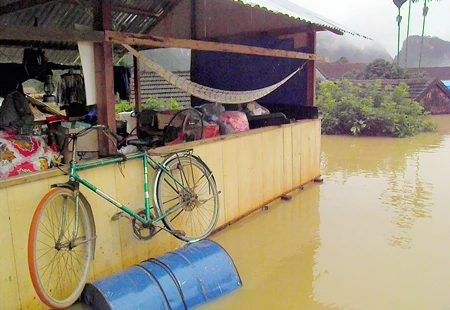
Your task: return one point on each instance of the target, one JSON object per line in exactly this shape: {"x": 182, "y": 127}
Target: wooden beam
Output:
{"x": 311, "y": 71}
{"x": 137, "y": 85}
{"x": 49, "y": 34}
{"x": 157, "y": 41}
{"x": 270, "y": 33}
{"x": 104, "y": 75}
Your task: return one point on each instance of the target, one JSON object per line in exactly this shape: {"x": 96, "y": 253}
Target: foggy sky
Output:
{"x": 377, "y": 19}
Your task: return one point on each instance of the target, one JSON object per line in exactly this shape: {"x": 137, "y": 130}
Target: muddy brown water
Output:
{"x": 374, "y": 235}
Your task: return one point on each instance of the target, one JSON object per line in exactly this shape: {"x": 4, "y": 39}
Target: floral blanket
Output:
{"x": 24, "y": 154}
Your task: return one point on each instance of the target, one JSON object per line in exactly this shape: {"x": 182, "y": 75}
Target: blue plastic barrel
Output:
{"x": 185, "y": 278}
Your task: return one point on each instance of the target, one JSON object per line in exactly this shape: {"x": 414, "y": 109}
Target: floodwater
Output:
{"x": 374, "y": 235}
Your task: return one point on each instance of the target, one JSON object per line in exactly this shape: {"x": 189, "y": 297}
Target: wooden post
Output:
{"x": 311, "y": 70}
{"x": 104, "y": 75}
{"x": 137, "y": 85}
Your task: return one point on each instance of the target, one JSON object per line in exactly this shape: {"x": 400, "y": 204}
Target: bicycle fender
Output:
{"x": 88, "y": 210}
{"x": 186, "y": 154}
{"x": 204, "y": 164}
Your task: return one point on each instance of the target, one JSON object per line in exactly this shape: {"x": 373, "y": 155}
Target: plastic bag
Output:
{"x": 254, "y": 109}
{"x": 232, "y": 122}
{"x": 211, "y": 111}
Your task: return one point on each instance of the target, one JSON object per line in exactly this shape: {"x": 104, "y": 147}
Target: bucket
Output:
{"x": 185, "y": 278}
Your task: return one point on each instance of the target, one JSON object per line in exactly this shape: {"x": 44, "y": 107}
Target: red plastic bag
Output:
{"x": 232, "y": 122}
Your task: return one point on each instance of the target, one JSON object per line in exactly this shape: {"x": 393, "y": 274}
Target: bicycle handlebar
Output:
{"x": 85, "y": 131}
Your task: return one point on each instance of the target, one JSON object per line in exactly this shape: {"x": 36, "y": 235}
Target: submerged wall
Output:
{"x": 251, "y": 169}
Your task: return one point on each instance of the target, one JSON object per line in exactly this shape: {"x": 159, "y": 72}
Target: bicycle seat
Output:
{"x": 150, "y": 142}
{"x": 140, "y": 142}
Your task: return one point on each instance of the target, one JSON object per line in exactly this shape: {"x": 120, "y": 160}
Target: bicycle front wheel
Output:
{"x": 186, "y": 195}
{"x": 58, "y": 259}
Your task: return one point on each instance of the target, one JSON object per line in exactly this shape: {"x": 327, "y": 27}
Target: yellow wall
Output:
{"x": 250, "y": 169}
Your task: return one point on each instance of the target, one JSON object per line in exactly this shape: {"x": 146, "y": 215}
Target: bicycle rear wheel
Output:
{"x": 59, "y": 261}
{"x": 193, "y": 207}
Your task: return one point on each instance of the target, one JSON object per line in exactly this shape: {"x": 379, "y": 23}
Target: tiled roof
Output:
{"x": 441, "y": 73}
{"x": 418, "y": 88}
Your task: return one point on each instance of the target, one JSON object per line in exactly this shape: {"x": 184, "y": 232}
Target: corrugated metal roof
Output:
{"x": 65, "y": 15}
{"x": 155, "y": 86}
{"x": 131, "y": 16}
{"x": 295, "y": 11}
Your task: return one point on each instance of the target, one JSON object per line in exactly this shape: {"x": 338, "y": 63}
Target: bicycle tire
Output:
{"x": 197, "y": 216}
{"x": 56, "y": 288}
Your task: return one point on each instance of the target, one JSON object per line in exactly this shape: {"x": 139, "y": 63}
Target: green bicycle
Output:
{"x": 62, "y": 236}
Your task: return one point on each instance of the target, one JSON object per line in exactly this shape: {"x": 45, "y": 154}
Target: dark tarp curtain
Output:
{"x": 240, "y": 72}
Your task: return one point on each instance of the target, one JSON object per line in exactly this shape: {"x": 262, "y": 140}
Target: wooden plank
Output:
{"x": 8, "y": 275}
{"x": 287, "y": 158}
{"x": 310, "y": 151}
{"x": 250, "y": 172}
{"x": 108, "y": 258}
{"x": 317, "y": 148}
{"x": 230, "y": 176}
{"x": 49, "y": 34}
{"x": 212, "y": 155}
{"x": 130, "y": 192}
{"x": 272, "y": 154}
{"x": 158, "y": 41}
{"x": 32, "y": 177}
{"x": 297, "y": 132}
{"x": 21, "y": 208}
{"x": 306, "y": 151}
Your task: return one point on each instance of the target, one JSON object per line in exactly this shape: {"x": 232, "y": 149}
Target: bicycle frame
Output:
{"x": 74, "y": 177}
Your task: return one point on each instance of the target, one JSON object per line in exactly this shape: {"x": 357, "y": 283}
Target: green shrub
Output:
{"x": 124, "y": 106}
{"x": 154, "y": 103}
{"x": 370, "y": 110}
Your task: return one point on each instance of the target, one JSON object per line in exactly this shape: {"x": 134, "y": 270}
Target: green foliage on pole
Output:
{"x": 371, "y": 110}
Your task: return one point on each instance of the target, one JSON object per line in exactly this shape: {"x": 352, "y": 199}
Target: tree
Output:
{"x": 342, "y": 60}
{"x": 370, "y": 110}
{"x": 382, "y": 69}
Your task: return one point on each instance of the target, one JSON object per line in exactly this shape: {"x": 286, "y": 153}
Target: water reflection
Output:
{"x": 274, "y": 252}
{"x": 396, "y": 162}
{"x": 373, "y": 236}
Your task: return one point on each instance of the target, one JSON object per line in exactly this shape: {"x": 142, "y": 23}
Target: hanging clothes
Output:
{"x": 15, "y": 111}
{"x": 70, "y": 89}
{"x": 122, "y": 77}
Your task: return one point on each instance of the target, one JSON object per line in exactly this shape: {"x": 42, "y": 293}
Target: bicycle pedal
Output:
{"x": 119, "y": 215}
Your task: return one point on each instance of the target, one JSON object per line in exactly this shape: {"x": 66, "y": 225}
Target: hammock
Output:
{"x": 208, "y": 93}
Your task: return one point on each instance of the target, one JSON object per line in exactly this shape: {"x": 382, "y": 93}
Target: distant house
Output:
{"x": 441, "y": 73}
{"x": 447, "y": 83}
{"x": 432, "y": 94}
